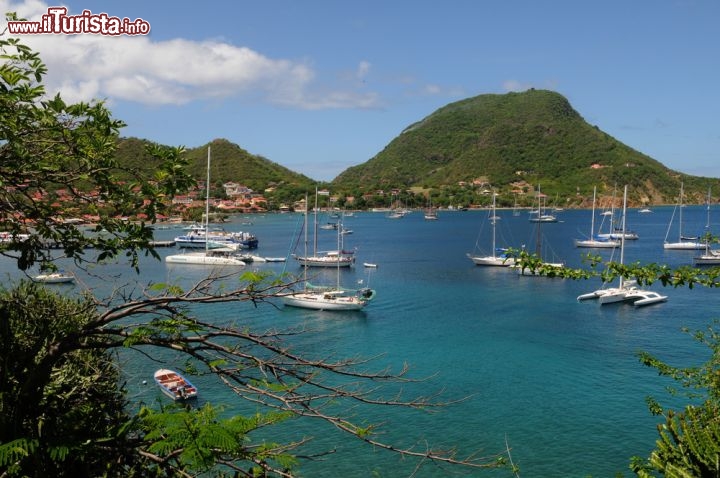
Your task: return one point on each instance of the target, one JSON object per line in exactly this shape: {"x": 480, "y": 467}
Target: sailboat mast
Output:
{"x": 315, "y": 224}
{"x": 538, "y": 240}
{"x": 305, "y": 266}
{"x": 622, "y": 239}
{"x": 680, "y": 226}
{"x": 592, "y": 221}
{"x": 493, "y": 219}
{"x": 207, "y": 201}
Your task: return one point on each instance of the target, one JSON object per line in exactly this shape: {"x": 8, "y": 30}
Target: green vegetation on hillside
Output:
{"x": 229, "y": 163}
{"x": 506, "y": 141}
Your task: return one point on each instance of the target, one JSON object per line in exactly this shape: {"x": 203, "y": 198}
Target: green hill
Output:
{"x": 534, "y": 137}
{"x": 228, "y": 162}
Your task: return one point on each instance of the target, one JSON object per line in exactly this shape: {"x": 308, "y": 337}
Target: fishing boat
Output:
{"x": 215, "y": 254}
{"x": 174, "y": 385}
{"x": 55, "y": 278}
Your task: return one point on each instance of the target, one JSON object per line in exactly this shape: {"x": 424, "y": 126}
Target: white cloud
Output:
{"x": 85, "y": 66}
{"x": 363, "y": 70}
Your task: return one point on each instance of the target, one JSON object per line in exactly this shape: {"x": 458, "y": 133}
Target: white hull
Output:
{"x": 55, "y": 278}
{"x": 613, "y": 296}
{"x": 710, "y": 258}
{"x": 325, "y": 261}
{"x": 640, "y": 298}
{"x": 493, "y": 261}
{"x": 536, "y": 273}
{"x": 174, "y": 385}
{"x": 684, "y": 246}
{"x": 597, "y": 244}
{"x": 629, "y": 236}
{"x": 204, "y": 259}
{"x": 332, "y": 300}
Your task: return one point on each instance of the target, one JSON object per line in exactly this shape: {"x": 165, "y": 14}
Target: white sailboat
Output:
{"x": 336, "y": 258}
{"x": 542, "y": 215}
{"x": 627, "y": 290}
{"x": 710, "y": 257}
{"x": 211, "y": 256}
{"x": 526, "y": 271}
{"x": 616, "y": 233}
{"x": 593, "y": 241}
{"x": 683, "y": 242}
{"x": 497, "y": 258}
{"x": 334, "y": 298}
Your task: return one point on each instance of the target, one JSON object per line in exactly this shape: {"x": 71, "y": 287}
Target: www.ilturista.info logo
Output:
{"x": 57, "y": 21}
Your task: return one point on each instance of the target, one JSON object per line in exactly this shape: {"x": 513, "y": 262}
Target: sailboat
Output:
{"x": 627, "y": 290}
{"x": 616, "y": 232}
{"x": 527, "y": 271}
{"x": 494, "y": 259}
{"x": 335, "y": 298}
{"x": 336, "y": 258}
{"x": 431, "y": 212}
{"x": 710, "y": 257}
{"x": 594, "y": 241}
{"x": 542, "y": 215}
{"x": 211, "y": 256}
{"x": 683, "y": 242}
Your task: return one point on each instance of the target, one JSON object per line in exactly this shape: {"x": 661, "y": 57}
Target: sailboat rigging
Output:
{"x": 683, "y": 242}
{"x": 336, "y": 258}
{"x": 498, "y": 257}
{"x": 593, "y": 241}
{"x": 218, "y": 255}
{"x": 334, "y": 297}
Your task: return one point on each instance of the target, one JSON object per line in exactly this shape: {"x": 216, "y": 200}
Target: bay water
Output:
{"x": 555, "y": 380}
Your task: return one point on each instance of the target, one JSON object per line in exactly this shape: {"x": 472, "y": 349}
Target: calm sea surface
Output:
{"x": 558, "y": 380}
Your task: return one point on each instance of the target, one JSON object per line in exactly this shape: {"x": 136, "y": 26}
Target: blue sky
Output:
{"x": 318, "y": 86}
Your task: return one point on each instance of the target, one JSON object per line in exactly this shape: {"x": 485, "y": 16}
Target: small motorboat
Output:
{"x": 55, "y": 278}
{"x": 369, "y": 264}
{"x": 174, "y": 385}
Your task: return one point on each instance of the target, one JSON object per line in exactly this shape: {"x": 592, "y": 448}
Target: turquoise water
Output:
{"x": 559, "y": 380}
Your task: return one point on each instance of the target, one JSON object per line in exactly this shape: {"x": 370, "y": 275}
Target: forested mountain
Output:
{"x": 229, "y": 162}
{"x": 535, "y": 137}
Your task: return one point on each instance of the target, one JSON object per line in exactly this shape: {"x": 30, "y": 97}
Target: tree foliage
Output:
{"x": 689, "y": 442}
{"x": 57, "y": 161}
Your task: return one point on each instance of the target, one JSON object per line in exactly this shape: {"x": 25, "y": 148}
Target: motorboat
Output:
{"x": 55, "y": 278}
{"x": 174, "y": 385}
